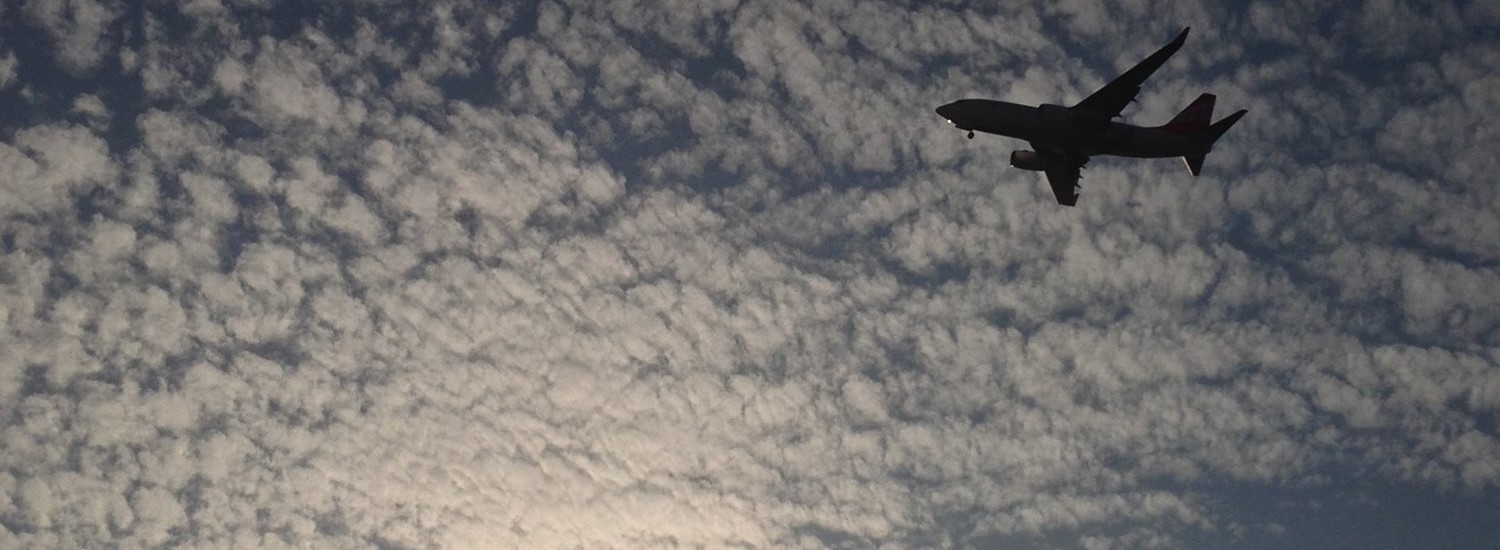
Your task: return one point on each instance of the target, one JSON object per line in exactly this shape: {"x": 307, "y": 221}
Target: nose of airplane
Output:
{"x": 945, "y": 111}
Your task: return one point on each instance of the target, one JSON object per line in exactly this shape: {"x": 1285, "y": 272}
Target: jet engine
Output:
{"x": 1028, "y": 160}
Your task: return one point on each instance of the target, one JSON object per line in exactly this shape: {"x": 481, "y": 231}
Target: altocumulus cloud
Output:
{"x": 709, "y": 274}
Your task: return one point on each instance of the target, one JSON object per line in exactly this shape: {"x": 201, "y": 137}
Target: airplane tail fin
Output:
{"x": 1194, "y": 118}
{"x": 1211, "y": 133}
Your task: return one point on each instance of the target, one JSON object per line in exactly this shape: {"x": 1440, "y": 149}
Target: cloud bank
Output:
{"x": 712, "y": 274}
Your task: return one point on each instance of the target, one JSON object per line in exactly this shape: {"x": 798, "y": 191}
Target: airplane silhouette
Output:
{"x": 1063, "y": 138}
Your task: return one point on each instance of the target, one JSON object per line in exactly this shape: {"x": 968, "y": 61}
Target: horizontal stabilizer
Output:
{"x": 1218, "y": 129}
{"x": 1212, "y": 134}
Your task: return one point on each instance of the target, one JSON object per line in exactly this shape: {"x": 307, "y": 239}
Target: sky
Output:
{"x": 711, "y": 273}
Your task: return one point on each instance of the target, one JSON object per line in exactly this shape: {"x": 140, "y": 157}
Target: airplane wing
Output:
{"x": 1063, "y": 172}
{"x": 1110, "y": 100}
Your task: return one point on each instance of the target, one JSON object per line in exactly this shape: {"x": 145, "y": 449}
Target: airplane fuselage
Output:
{"x": 1055, "y": 126}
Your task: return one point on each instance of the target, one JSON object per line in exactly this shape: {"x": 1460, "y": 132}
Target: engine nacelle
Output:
{"x": 1028, "y": 160}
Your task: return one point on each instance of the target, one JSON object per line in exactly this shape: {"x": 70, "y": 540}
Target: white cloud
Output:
{"x": 287, "y": 86}
{"x": 637, "y": 299}
{"x": 93, "y": 109}
{"x": 9, "y": 68}
{"x": 231, "y": 76}
{"x": 47, "y": 165}
{"x": 79, "y": 28}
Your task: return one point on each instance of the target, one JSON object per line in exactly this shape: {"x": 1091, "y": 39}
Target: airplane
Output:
{"x": 1063, "y": 138}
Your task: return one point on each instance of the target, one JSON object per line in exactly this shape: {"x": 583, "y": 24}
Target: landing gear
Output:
{"x": 971, "y": 134}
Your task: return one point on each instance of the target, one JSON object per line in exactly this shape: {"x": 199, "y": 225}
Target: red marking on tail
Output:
{"x": 1194, "y": 119}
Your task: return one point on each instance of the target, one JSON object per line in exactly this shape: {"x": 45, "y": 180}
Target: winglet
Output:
{"x": 1107, "y": 102}
{"x": 1181, "y": 38}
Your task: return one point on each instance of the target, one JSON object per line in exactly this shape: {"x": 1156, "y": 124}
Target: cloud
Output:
{"x": 91, "y": 106}
{"x": 8, "y": 70}
{"x": 79, "y": 28}
{"x": 285, "y": 86}
{"x": 48, "y": 166}
{"x": 705, "y": 275}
